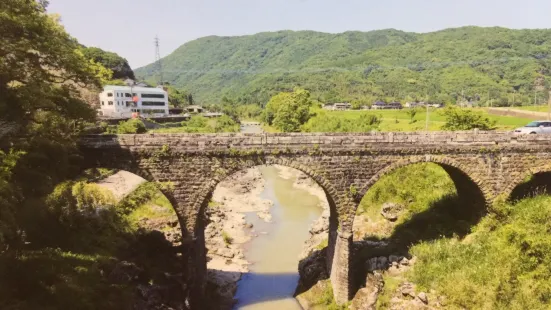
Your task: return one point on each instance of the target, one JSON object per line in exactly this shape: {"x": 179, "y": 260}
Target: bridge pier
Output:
{"x": 340, "y": 268}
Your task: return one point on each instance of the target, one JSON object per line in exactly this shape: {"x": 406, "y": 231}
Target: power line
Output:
{"x": 158, "y": 60}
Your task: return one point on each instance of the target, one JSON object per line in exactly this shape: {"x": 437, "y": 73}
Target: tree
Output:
{"x": 411, "y": 113}
{"x": 178, "y": 98}
{"x": 288, "y": 111}
{"x": 120, "y": 67}
{"x": 465, "y": 119}
{"x": 42, "y": 70}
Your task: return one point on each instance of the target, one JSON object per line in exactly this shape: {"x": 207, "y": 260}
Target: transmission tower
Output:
{"x": 158, "y": 63}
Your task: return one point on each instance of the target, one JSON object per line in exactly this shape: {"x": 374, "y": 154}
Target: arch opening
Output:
{"x": 409, "y": 203}
{"x": 538, "y": 183}
{"x": 104, "y": 230}
{"x": 299, "y": 217}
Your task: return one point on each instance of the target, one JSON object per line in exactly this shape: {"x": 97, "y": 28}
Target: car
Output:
{"x": 536, "y": 127}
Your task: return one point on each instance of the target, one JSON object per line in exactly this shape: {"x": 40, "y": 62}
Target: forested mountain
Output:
{"x": 508, "y": 66}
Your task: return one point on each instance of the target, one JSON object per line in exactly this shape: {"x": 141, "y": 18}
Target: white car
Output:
{"x": 537, "y": 127}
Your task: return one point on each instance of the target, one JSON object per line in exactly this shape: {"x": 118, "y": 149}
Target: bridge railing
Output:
{"x": 321, "y": 140}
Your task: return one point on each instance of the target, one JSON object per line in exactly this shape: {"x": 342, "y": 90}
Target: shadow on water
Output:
{"x": 268, "y": 287}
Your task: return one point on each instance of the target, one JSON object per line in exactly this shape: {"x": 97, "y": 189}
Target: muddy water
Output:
{"x": 273, "y": 274}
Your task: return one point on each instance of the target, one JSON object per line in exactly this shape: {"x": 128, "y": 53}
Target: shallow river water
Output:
{"x": 274, "y": 254}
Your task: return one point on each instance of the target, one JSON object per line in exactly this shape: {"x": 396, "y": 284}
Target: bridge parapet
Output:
{"x": 198, "y": 142}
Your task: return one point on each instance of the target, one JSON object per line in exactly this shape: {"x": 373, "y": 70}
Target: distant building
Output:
{"x": 212, "y": 114}
{"x": 342, "y": 106}
{"x": 338, "y": 106}
{"x": 414, "y": 104}
{"x": 379, "y": 105}
{"x": 395, "y": 106}
{"x": 126, "y": 101}
{"x": 194, "y": 109}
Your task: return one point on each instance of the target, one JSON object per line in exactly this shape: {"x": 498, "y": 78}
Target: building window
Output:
{"x": 160, "y": 96}
{"x": 153, "y": 103}
{"x": 102, "y": 103}
{"x": 110, "y": 103}
{"x": 109, "y": 94}
{"x": 127, "y": 95}
{"x": 153, "y": 111}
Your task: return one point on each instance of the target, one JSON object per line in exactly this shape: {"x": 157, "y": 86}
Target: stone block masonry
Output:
{"x": 483, "y": 165}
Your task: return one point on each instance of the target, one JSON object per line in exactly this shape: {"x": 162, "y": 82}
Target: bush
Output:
{"x": 466, "y": 119}
{"x": 130, "y": 126}
{"x": 325, "y": 122}
{"x": 227, "y": 238}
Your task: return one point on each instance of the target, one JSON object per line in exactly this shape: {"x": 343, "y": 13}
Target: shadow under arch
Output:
{"x": 199, "y": 244}
{"x": 462, "y": 177}
{"x": 124, "y": 159}
{"x": 537, "y": 181}
{"x": 451, "y": 215}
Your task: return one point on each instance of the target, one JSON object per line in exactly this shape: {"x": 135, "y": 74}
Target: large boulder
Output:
{"x": 366, "y": 298}
{"x": 391, "y": 211}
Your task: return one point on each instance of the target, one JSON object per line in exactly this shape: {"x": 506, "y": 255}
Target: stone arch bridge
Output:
{"x": 483, "y": 166}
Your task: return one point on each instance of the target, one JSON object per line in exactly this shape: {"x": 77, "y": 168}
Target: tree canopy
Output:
{"x": 119, "y": 65}
{"x": 288, "y": 111}
{"x": 42, "y": 73}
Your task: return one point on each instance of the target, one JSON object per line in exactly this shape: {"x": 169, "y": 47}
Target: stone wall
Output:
{"x": 483, "y": 166}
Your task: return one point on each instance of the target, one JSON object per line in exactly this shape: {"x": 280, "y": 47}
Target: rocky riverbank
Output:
{"x": 228, "y": 230}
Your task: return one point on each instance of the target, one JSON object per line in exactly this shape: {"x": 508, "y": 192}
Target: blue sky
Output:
{"x": 128, "y": 27}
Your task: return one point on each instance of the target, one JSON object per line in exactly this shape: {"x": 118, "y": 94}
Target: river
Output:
{"x": 274, "y": 254}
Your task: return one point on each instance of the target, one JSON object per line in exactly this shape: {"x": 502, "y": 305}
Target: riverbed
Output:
{"x": 274, "y": 253}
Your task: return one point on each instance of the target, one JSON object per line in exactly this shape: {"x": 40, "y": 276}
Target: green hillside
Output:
{"x": 508, "y": 65}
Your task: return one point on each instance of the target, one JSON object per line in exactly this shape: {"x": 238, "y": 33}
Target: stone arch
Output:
{"x": 441, "y": 161}
{"x": 207, "y": 190}
{"x": 464, "y": 178}
{"x": 516, "y": 181}
{"x": 201, "y": 202}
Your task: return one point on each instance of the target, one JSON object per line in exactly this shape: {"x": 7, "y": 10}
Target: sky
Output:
{"x": 128, "y": 27}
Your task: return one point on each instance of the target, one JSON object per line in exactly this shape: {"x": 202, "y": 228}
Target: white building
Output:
{"x": 118, "y": 101}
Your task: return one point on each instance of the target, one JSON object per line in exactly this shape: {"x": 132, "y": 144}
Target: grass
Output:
{"x": 416, "y": 187}
{"x": 505, "y": 264}
{"x": 399, "y": 120}
{"x": 156, "y": 208}
{"x": 538, "y": 108}
{"x": 56, "y": 279}
{"x": 323, "y": 244}
{"x": 227, "y": 238}
{"x": 320, "y": 297}
{"x": 500, "y": 261}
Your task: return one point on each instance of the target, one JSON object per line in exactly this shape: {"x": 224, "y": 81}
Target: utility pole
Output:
{"x": 549, "y": 107}
{"x": 158, "y": 61}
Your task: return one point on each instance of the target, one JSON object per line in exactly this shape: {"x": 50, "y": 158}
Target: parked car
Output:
{"x": 537, "y": 127}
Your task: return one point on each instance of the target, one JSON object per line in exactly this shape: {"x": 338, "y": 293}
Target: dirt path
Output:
{"x": 121, "y": 183}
